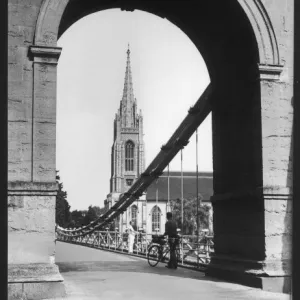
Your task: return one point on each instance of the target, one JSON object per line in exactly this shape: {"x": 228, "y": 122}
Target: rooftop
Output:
{"x": 205, "y": 185}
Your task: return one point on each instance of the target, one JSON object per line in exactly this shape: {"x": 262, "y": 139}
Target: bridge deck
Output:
{"x": 92, "y": 274}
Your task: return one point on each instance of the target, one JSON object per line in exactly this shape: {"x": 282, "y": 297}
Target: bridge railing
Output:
{"x": 193, "y": 252}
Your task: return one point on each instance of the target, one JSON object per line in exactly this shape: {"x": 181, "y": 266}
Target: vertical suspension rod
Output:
{"x": 181, "y": 209}
{"x": 156, "y": 211}
{"x": 168, "y": 205}
{"x": 181, "y": 195}
{"x": 197, "y": 199}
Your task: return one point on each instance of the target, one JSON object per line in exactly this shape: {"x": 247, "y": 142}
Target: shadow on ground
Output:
{"x": 134, "y": 265}
{"x": 93, "y": 274}
{"x": 76, "y": 258}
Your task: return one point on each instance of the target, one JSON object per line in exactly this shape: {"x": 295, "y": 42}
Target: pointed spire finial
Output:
{"x": 128, "y": 50}
{"x": 128, "y": 103}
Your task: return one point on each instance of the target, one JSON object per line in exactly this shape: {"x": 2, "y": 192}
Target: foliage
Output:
{"x": 77, "y": 218}
{"x": 98, "y": 211}
{"x": 190, "y": 215}
{"x": 90, "y": 216}
{"x": 62, "y": 209}
{"x": 83, "y": 217}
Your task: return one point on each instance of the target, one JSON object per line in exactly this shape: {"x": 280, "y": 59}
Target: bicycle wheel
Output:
{"x": 154, "y": 255}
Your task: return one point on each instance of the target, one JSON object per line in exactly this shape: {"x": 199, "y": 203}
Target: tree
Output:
{"x": 77, "y": 218}
{"x": 190, "y": 215}
{"x": 62, "y": 209}
{"x": 103, "y": 210}
{"x": 90, "y": 216}
{"x": 98, "y": 210}
{"x": 84, "y": 217}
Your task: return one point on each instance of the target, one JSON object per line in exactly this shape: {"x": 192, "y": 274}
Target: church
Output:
{"x": 128, "y": 163}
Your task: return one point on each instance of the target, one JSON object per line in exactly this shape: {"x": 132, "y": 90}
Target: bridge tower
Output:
{"x": 127, "y": 156}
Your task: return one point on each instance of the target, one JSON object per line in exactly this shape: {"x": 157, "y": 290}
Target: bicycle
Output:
{"x": 159, "y": 251}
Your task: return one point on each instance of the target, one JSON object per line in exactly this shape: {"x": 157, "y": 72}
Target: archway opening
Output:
{"x": 166, "y": 69}
{"x": 231, "y": 56}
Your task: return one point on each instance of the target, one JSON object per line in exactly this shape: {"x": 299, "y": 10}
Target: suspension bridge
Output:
{"x": 247, "y": 48}
{"x": 195, "y": 251}
{"x": 176, "y": 143}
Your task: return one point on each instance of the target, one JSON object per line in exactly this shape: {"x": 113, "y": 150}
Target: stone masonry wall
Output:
{"x": 22, "y": 17}
{"x": 277, "y": 122}
{"x": 31, "y": 174}
{"x": 31, "y": 148}
{"x": 31, "y": 219}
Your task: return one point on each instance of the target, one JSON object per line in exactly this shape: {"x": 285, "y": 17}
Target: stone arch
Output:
{"x": 241, "y": 61}
{"x": 264, "y": 31}
{"x": 48, "y": 22}
{"x": 232, "y": 57}
{"x": 51, "y": 12}
{"x": 130, "y": 141}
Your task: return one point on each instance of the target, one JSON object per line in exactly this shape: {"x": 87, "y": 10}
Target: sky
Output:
{"x": 168, "y": 73}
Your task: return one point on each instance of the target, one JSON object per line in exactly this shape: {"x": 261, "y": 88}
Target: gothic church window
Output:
{"x": 129, "y": 156}
{"x": 134, "y": 216}
{"x": 156, "y": 213}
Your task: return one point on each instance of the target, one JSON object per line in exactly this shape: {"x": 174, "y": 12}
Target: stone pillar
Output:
{"x": 31, "y": 205}
{"x": 252, "y": 186}
{"x": 277, "y": 135}
{"x": 44, "y": 112}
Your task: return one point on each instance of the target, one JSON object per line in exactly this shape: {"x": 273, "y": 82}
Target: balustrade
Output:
{"x": 193, "y": 252}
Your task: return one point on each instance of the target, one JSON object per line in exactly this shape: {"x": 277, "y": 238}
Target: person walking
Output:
{"x": 131, "y": 236}
{"x": 171, "y": 232}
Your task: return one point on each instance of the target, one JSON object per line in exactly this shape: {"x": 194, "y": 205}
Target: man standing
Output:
{"x": 131, "y": 236}
{"x": 171, "y": 232}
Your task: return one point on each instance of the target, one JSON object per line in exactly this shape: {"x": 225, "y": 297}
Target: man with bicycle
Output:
{"x": 171, "y": 232}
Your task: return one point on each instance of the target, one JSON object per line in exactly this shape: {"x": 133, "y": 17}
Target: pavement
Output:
{"x": 91, "y": 274}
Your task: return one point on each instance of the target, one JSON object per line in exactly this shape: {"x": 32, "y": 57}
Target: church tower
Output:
{"x": 127, "y": 158}
{"x": 128, "y": 163}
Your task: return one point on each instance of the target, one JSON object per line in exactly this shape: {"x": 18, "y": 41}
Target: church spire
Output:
{"x": 128, "y": 158}
{"x": 128, "y": 103}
